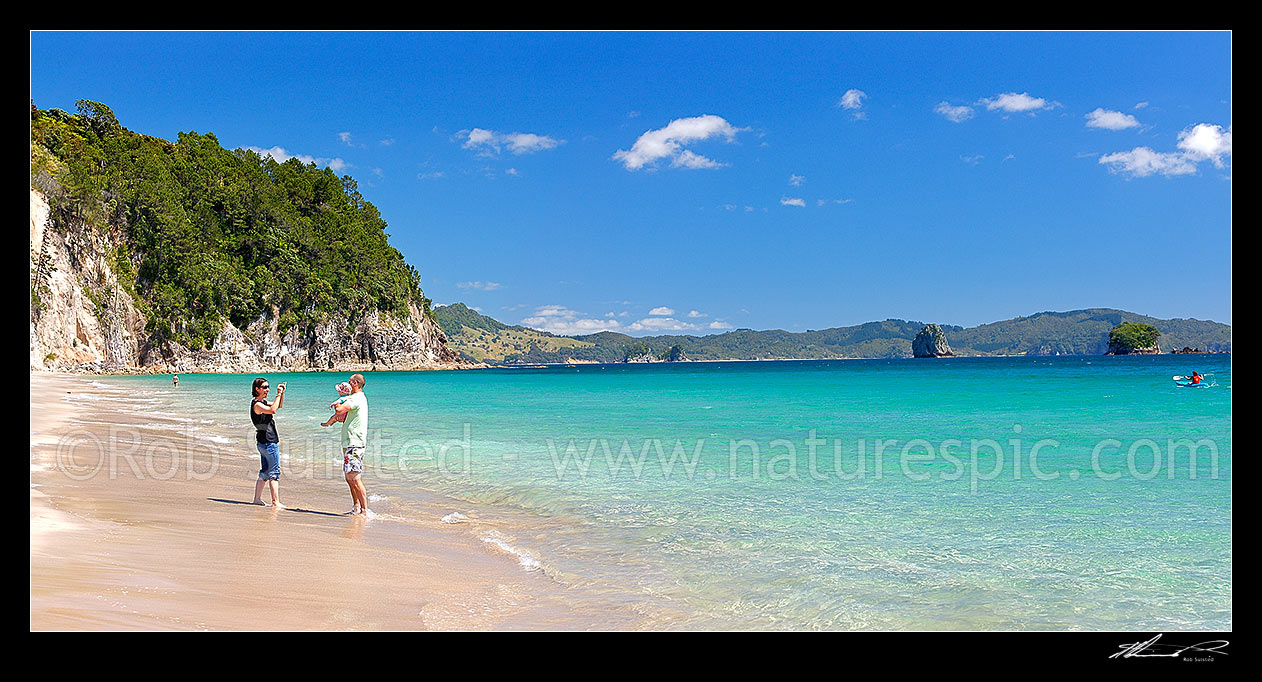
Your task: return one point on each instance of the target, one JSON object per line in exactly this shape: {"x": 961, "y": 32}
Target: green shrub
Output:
{"x": 1130, "y": 336}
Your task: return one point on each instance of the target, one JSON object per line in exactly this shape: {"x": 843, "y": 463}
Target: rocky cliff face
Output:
{"x": 80, "y": 316}
{"x": 83, "y": 320}
{"x": 378, "y": 341}
{"x": 931, "y": 342}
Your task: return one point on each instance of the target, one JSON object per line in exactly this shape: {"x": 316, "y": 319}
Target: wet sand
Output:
{"x": 135, "y": 527}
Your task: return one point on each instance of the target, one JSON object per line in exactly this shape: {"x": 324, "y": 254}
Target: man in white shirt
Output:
{"x": 354, "y": 438}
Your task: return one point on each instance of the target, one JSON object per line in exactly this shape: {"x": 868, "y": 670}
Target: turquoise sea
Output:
{"x": 1083, "y": 492}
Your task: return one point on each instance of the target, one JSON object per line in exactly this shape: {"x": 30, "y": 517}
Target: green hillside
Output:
{"x": 205, "y": 234}
{"x": 1081, "y": 332}
{"x": 479, "y": 338}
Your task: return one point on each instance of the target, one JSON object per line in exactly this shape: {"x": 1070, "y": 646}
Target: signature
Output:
{"x": 1151, "y": 649}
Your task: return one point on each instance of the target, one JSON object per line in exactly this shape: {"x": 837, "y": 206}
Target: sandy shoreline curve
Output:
{"x": 135, "y": 527}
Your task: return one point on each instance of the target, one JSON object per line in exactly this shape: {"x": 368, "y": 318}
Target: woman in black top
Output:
{"x": 261, "y": 414}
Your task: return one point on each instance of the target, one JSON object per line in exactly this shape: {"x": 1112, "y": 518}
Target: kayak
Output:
{"x": 1203, "y": 384}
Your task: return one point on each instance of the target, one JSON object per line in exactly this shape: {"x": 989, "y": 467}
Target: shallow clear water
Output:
{"x": 932, "y": 514}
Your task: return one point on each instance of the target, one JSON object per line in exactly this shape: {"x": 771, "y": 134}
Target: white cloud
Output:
{"x": 512, "y": 171}
{"x": 349, "y": 142}
{"x": 336, "y": 165}
{"x": 490, "y": 143}
{"x": 387, "y": 142}
{"x": 796, "y": 180}
{"x": 279, "y": 154}
{"x": 954, "y": 114}
{"x": 526, "y": 143}
{"x": 791, "y": 201}
{"x": 719, "y": 324}
{"x": 662, "y": 310}
{"x": 688, "y": 159}
{"x": 669, "y": 142}
{"x": 430, "y": 176}
{"x": 558, "y": 319}
{"x": 481, "y": 286}
{"x": 1206, "y": 141}
{"x": 661, "y": 324}
{"x": 478, "y": 137}
{"x": 1141, "y": 105}
{"x": 1202, "y": 142}
{"x": 696, "y": 313}
{"x": 853, "y": 99}
{"x": 1142, "y": 162}
{"x": 1014, "y": 103}
{"x": 972, "y": 160}
{"x": 1110, "y": 120}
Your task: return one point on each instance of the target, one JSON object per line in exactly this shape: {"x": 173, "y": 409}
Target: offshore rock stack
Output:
{"x": 931, "y": 342}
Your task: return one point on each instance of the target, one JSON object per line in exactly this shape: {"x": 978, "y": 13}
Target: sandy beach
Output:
{"x": 136, "y": 527}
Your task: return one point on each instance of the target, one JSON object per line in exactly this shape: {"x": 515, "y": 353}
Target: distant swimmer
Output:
{"x": 175, "y": 380}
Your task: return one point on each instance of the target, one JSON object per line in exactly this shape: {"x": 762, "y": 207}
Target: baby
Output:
{"x": 343, "y": 390}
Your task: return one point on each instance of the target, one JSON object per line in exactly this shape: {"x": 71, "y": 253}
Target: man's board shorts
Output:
{"x": 269, "y": 453}
{"x": 353, "y": 459}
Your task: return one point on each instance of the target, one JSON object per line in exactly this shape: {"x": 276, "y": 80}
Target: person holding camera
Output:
{"x": 262, "y": 415}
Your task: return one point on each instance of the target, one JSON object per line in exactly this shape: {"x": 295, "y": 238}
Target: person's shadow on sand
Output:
{"x": 292, "y": 509}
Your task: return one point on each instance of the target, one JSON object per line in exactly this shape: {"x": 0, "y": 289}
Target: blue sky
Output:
{"x": 697, "y": 182}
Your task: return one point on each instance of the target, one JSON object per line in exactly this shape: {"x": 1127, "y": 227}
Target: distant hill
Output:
{"x": 1082, "y": 332}
{"x": 1077, "y": 332}
{"x": 479, "y": 338}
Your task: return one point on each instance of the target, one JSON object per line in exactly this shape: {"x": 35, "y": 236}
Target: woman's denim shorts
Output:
{"x": 270, "y": 454}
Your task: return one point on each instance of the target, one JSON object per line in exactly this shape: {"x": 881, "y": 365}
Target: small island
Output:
{"x": 1133, "y": 338}
{"x": 931, "y": 342}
